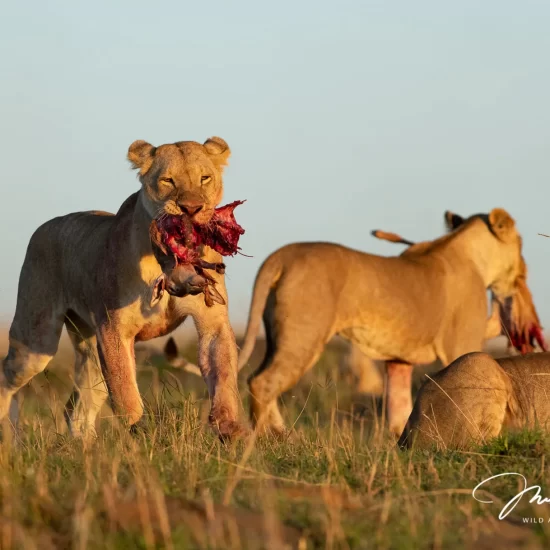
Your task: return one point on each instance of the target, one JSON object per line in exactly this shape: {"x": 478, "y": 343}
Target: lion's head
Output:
{"x": 518, "y": 315}
{"x": 181, "y": 178}
{"x": 508, "y": 262}
{"x": 519, "y": 318}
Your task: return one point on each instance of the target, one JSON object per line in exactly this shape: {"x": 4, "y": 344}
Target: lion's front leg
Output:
{"x": 218, "y": 365}
{"x": 116, "y": 355}
{"x": 398, "y": 395}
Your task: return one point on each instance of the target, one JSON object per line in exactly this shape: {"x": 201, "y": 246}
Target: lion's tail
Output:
{"x": 267, "y": 276}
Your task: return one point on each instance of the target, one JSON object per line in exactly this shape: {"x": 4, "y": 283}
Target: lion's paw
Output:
{"x": 229, "y": 430}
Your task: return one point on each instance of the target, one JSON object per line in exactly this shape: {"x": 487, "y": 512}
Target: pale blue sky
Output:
{"x": 342, "y": 116}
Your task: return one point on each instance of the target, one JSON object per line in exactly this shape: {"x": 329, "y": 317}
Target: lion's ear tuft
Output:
{"x": 502, "y": 224}
{"x": 140, "y": 155}
{"x": 452, "y": 220}
{"x": 218, "y": 151}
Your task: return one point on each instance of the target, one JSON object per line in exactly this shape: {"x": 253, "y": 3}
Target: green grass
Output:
{"x": 339, "y": 482}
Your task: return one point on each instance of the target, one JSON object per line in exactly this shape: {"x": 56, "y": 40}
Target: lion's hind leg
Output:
{"x": 33, "y": 341}
{"x": 36, "y": 328}
{"x": 278, "y": 374}
{"x": 90, "y": 391}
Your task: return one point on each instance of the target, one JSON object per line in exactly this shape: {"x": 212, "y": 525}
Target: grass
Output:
{"x": 339, "y": 483}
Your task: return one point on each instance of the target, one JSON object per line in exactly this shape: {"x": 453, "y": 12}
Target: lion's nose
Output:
{"x": 190, "y": 208}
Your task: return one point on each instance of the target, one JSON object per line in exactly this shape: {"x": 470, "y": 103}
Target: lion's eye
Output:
{"x": 168, "y": 181}
{"x": 206, "y": 179}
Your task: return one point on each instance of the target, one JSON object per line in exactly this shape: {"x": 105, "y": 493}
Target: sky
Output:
{"x": 342, "y": 117}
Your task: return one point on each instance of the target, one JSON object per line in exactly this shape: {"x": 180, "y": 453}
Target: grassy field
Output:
{"x": 338, "y": 483}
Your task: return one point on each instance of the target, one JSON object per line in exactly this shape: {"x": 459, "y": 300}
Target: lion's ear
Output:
{"x": 452, "y": 220}
{"x": 502, "y": 224}
{"x": 140, "y": 155}
{"x": 218, "y": 151}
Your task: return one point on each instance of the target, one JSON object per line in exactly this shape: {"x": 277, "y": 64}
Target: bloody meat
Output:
{"x": 520, "y": 320}
{"x": 177, "y": 244}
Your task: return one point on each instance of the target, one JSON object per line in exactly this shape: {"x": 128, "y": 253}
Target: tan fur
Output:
{"x": 522, "y": 313}
{"x": 94, "y": 271}
{"x": 428, "y": 303}
{"x": 476, "y": 397}
{"x": 367, "y": 370}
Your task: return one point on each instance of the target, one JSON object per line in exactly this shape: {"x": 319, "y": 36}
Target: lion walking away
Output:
{"x": 428, "y": 303}
{"x": 116, "y": 279}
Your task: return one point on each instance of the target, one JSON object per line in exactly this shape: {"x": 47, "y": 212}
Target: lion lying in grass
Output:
{"x": 99, "y": 274}
{"x": 476, "y": 397}
{"x": 428, "y": 303}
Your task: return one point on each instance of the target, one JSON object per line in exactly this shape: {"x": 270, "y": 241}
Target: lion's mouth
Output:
{"x": 177, "y": 244}
{"x": 184, "y": 237}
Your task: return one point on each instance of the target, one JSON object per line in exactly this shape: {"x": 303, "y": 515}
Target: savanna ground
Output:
{"x": 339, "y": 483}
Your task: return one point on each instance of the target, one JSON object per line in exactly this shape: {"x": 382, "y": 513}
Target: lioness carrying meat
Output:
{"x": 99, "y": 274}
{"x": 476, "y": 397}
{"x": 406, "y": 310}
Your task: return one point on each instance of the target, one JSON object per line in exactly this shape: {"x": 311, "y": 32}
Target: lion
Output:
{"x": 477, "y": 397}
{"x": 97, "y": 274}
{"x": 426, "y": 304}
{"x": 369, "y": 373}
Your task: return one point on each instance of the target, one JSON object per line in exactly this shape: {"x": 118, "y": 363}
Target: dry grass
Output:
{"x": 340, "y": 483}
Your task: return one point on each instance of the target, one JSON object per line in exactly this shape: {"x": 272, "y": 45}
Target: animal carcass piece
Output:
{"x": 520, "y": 321}
{"x": 177, "y": 245}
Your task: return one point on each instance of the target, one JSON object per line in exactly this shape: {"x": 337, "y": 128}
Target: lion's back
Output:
{"x": 71, "y": 233}
{"x": 64, "y": 248}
